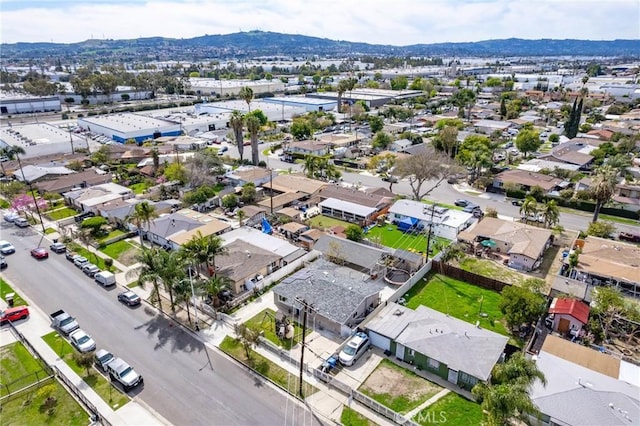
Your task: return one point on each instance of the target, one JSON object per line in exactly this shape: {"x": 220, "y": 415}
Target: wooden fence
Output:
{"x": 469, "y": 277}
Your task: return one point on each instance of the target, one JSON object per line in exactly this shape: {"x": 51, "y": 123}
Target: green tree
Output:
{"x": 95, "y": 225}
{"x": 176, "y": 172}
{"x": 143, "y": 214}
{"x": 246, "y": 94}
{"x": 529, "y": 208}
{"x": 253, "y": 126}
{"x": 241, "y": 215}
{"x": 603, "y": 187}
{"x": 550, "y": 213}
{"x": 301, "y": 128}
{"x": 376, "y": 123}
{"x": 381, "y": 140}
{"x": 601, "y": 229}
{"x": 464, "y": 98}
{"x": 84, "y": 360}
{"x": 183, "y": 294}
{"x": 248, "y": 192}
{"x": 399, "y": 83}
{"x": 204, "y": 250}
{"x": 236, "y": 121}
{"x": 503, "y": 108}
{"x": 102, "y": 155}
{"x": 475, "y": 152}
{"x": 148, "y": 271}
{"x": 528, "y": 141}
{"x": 248, "y": 337}
{"x": 447, "y": 140}
{"x": 212, "y": 286}
{"x": 554, "y": 137}
{"x": 354, "y": 233}
{"x": 230, "y": 201}
{"x": 429, "y": 165}
{"x": 521, "y": 306}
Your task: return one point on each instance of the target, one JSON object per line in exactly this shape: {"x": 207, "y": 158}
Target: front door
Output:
{"x": 453, "y": 376}
{"x": 563, "y": 325}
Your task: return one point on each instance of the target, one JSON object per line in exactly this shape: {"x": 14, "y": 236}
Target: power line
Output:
{"x": 306, "y": 307}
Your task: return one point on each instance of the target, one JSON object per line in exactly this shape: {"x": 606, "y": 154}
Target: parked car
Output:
{"x": 58, "y": 247}
{"x": 90, "y": 269}
{"x": 40, "y": 253}
{"x": 105, "y": 278}
{"x": 517, "y": 202}
{"x": 82, "y": 341}
{"x": 6, "y": 247}
{"x": 14, "y": 314}
{"x": 71, "y": 255}
{"x": 3, "y": 262}
{"x": 11, "y": 217}
{"x": 462, "y": 203}
{"x": 354, "y": 348}
{"x": 129, "y": 298}
{"x": 79, "y": 261}
{"x": 21, "y": 222}
{"x": 471, "y": 208}
{"x": 102, "y": 358}
{"x": 628, "y": 236}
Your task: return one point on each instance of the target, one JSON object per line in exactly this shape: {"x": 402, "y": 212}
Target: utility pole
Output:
{"x": 306, "y": 307}
{"x": 433, "y": 209}
{"x": 271, "y": 189}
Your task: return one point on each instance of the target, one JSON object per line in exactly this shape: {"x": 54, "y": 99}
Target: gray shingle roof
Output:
{"x": 334, "y": 292}
{"x": 457, "y": 343}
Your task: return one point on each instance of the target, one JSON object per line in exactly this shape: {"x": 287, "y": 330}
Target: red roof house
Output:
{"x": 569, "y": 315}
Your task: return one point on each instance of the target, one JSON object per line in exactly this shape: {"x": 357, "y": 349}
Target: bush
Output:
{"x": 516, "y": 193}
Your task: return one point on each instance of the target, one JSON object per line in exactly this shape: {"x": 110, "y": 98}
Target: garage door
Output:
{"x": 379, "y": 341}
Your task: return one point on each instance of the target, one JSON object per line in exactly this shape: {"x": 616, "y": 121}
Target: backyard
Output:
{"x": 460, "y": 300}
{"x": 398, "y": 388}
{"x": 48, "y": 403}
{"x": 492, "y": 269}
{"x": 453, "y": 410}
{"x": 264, "y": 322}
{"x": 389, "y": 236}
{"x": 91, "y": 377}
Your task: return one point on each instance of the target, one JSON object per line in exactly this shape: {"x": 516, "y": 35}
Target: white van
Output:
{"x": 105, "y": 278}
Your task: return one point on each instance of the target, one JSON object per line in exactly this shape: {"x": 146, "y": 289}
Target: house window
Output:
{"x": 433, "y": 364}
{"x": 282, "y": 298}
{"x": 412, "y": 352}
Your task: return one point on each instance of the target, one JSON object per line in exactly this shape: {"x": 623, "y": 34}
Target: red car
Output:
{"x": 14, "y": 314}
{"x": 40, "y": 253}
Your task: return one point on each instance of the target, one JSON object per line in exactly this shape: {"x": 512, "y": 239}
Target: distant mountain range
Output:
{"x": 260, "y": 43}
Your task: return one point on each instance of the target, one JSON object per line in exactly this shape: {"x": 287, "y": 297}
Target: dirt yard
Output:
{"x": 397, "y": 388}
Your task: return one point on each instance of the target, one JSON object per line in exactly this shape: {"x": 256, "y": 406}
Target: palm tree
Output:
{"x": 14, "y": 152}
{"x": 603, "y": 187}
{"x": 529, "y": 208}
{"x": 237, "y": 123}
{"x": 241, "y": 215}
{"x": 149, "y": 271}
{"x": 172, "y": 270}
{"x": 310, "y": 166}
{"x": 551, "y": 213}
{"x": 201, "y": 249}
{"x": 452, "y": 252}
{"x": 246, "y": 94}
{"x": 143, "y": 214}
{"x": 507, "y": 396}
{"x": 212, "y": 286}
{"x": 253, "y": 126}
{"x": 343, "y": 86}
{"x": 248, "y": 337}
{"x": 182, "y": 289}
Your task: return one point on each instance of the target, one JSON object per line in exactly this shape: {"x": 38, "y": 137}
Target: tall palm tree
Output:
{"x": 12, "y": 152}
{"x": 149, "y": 272}
{"x": 182, "y": 290}
{"x": 507, "y": 396}
{"x": 143, "y": 214}
{"x": 253, "y": 126}
{"x": 241, "y": 215}
{"x": 529, "y": 208}
{"x": 237, "y": 124}
{"x": 212, "y": 286}
{"x": 203, "y": 249}
{"x": 310, "y": 166}
{"x": 603, "y": 187}
{"x": 172, "y": 270}
{"x": 551, "y": 213}
{"x": 246, "y": 94}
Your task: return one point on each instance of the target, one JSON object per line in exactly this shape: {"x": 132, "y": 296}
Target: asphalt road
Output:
{"x": 185, "y": 381}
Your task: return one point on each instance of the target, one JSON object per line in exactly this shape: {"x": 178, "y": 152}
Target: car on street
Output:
{"x": 102, "y": 358}
{"x": 71, "y": 255}
{"x": 39, "y": 253}
{"x": 80, "y": 261}
{"x": 90, "y": 269}
{"x": 628, "y": 236}
{"x": 3, "y": 262}
{"x": 470, "y": 208}
{"x": 354, "y": 348}
{"x": 58, "y": 247}
{"x": 14, "y": 314}
{"x": 21, "y": 222}
{"x": 129, "y": 298}
{"x": 82, "y": 341}
{"x": 517, "y": 202}
{"x": 6, "y": 247}
{"x": 462, "y": 203}
{"x": 11, "y": 217}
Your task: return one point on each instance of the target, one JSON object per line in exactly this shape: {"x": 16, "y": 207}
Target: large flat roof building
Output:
{"x": 125, "y": 126}
{"x": 40, "y": 139}
{"x": 219, "y": 88}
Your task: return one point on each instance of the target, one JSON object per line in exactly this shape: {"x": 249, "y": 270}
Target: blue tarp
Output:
{"x": 407, "y": 223}
{"x": 266, "y": 226}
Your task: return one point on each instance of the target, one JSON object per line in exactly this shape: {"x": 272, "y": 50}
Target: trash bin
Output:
{"x": 9, "y": 299}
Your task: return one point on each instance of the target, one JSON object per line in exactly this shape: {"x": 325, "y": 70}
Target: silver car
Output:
{"x": 82, "y": 341}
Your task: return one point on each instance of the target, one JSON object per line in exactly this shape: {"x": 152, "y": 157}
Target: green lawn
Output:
{"x": 4, "y": 204}
{"x": 92, "y": 257}
{"x": 18, "y": 368}
{"x": 6, "y": 288}
{"x": 452, "y": 410}
{"x": 325, "y": 222}
{"x": 265, "y": 367}
{"x": 139, "y": 188}
{"x": 48, "y": 231}
{"x": 61, "y": 213}
{"x": 112, "y": 234}
{"x": 492, "y": 269}
{"x": 95, "y": 380}
{"x": 402, "y": 390}
{"x": 265, "y": 323}
{"x": 122, "y": 251}
{"x": 449, "y": 206}
{"x": 460, "y": 300}
{"x": 351, "y": 417}
{"x": 389, "y": 235}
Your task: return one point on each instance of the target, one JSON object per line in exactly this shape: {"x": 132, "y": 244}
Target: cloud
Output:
{"x": 397, "y": 22}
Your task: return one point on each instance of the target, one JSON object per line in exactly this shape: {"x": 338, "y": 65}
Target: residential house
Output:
{"x": 163, "y": 228}
{"x": 250, "y": 174}
{"x": 602, "y": 134}
{"x": 253, "y": 215}
{"x": 353, "y": 205}
{"x": 293, "y": 230}
{"x": 535, "y": 165}
{"x": 246, "y": 264}
{"x": 455, "y": 350}
{"x": 280, "y": 201}
{"x": 572, "y": 153}
{"x": 400, "y": 145}
{"x": 287, "y": 251}
{"x": 335, "y": 141}
{"x": 445, "y": 223}
{"x": 32, "y": 174}
{"x": 93, "y": 198}
{"x": 290, "y": 213}
{"x": 523, "y": 244}
{"x": 584, "y": 387}
{"x": 309, "y": 238}
{"x": 118, "y": 211}
{"x": 208, "y": 226}
{"x": 307, "y": 147}
{"x": 361, "y": 257}
{"x": 348, "y": 211}
{"x": 341, "y": 297}
{"x": 487, "y": 127}
{"x": 525, "y": 180}
{"x": 68, "y": 182}
{"x": 568, "y": 316}
{"x": 295, "y": 183}
{"x": 628, "y": 194}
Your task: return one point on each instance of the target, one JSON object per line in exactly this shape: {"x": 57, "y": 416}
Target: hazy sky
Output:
{"x": 397, "y": 22}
